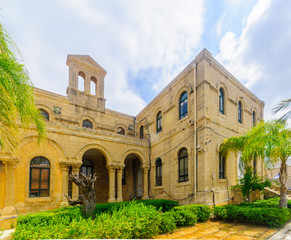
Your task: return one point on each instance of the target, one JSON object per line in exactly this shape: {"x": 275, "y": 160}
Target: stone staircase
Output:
{"x": 274, "y": 191}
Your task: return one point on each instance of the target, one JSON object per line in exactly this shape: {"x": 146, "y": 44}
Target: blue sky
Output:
{"x": 143, "y": 45}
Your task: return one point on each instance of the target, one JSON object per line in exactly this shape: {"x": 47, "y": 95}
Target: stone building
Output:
{"x": 169, "y": 150}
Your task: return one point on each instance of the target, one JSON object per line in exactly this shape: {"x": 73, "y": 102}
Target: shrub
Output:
{"x": 51, "y": 217}
{"x": 268, "y": 216}
{"x": 203, "y": 212}
{"x": 184, "y": 217}
{"x": 160, "y": 204}
{"x": 130, "y": 221}
{"x": 168, "y": 223}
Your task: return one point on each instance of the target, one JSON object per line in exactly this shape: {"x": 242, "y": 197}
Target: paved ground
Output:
{"x": 221, "y": 230}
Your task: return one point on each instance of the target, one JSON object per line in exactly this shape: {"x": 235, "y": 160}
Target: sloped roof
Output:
{"x": 85, "y": 59}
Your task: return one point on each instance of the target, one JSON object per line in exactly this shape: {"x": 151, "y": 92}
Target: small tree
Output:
{"x": 86, "y": 185}
{"x": 250, "y": 183}
{"x": 270, "y": 141}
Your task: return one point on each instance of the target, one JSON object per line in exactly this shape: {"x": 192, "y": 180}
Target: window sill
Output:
{"x": 223, "y": 180}
{"x": 159, "y": 187}
{"x": 183, "y": 184}
{"x": 38, "y": 199}
{"x": 222, "y": 115}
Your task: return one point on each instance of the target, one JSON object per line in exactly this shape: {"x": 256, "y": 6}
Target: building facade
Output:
{"x": 169, "y": 150}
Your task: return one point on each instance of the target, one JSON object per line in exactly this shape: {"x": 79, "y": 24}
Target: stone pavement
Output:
{"x": 6, "y": 234}
{"x": 214, "y": 229}
{"x": 283, "y": 234}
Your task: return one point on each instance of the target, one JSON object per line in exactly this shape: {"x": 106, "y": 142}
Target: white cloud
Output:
{"x": 259, "y": 57}
{"x": 125, "y": 37}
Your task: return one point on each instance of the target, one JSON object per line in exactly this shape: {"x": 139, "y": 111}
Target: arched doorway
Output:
{"x": 93, "y": 161}
{"x": 132, "y": 178}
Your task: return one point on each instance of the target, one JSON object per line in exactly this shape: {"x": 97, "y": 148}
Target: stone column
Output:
{"x": 119, "y": 183}
{"x": 9, "y": 201}
{"x": 111, "y": 174}
{"x": 87, "y": 83}
{"x": 75, "y": 188}
{"x": 145, "y": 192}
{"x": 65, "y": 172}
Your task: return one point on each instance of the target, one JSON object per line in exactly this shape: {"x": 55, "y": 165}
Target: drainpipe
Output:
{"x": 195, "y": 133}
{"x": 134, "y": 119}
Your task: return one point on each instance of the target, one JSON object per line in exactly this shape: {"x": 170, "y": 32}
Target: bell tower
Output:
{"x": 86, "y": 82}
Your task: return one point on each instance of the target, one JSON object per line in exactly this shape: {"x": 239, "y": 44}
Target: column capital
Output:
{"x": 145, "y": 167}
{"x": 120, "y": 167}
{"x": 64, "y": 166}
{"x": 11, "y": 163}
{"x": 111, "y": 167}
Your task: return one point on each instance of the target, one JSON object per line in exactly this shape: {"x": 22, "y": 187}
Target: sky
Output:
{"x": 144, "y": 44}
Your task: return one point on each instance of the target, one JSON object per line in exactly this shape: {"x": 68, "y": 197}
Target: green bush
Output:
{"x": 268, "y": 216}
{"x": 160, "y": 204}
{"x": 168, "y": 223}
{"x": 184, "y": 217}
{"x": 51, "y": 217}
{"x": 203, "y": 212}
{"x": 130, "y": 221}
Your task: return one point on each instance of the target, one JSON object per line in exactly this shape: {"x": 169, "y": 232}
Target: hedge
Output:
{"x": 135, "y": 220}
{"x": 203, "y": 212}
{"x": 268, "y": 216}
{"x": 160, "y": 204}
{"x": 271, "y": 202}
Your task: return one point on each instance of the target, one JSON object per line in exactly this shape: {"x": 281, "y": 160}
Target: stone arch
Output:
{"x": 53, "y": 158}
{"x": 99, "y": 147}
{"x": 82, "y": 75}
{"x": 93, "y": 85}
{"x": 120, "y": 126}
{"x": 50, "y": 141}
{"x": 44, "y": 107}
{"x": 85, "y": 117}
{"x": 139, "y": 154}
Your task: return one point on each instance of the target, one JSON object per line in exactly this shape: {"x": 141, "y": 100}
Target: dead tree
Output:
{"x": 86, "y": 185}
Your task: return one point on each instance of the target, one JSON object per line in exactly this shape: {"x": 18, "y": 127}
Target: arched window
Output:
{"x": 159, "y": 177}
{"x": 39, "y": 179}
{"x": 159, "y": 121}
{"x": 221, "y": 166}
{"x": 141, "y": 132}
{"x": 93, "y": 85}
{"x": 87, "y": 124}
{"x": 81, "y": 81}
{"x": 183, "y": 165}
{"x": 254, "y": 118}
{"x": 87, "y": 167}
{"x": 120, "y": 130}
{"x": 183, "y": 105}
{"x": 45, "y": 114}
{"x": 239, "y": 112}
{"x": 221, "y": 101}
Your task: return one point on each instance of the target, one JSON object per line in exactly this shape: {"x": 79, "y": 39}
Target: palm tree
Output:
{"x": 269, "y": 140}
{"x": 285, "y": 104}
{"x": 16, "y": 98}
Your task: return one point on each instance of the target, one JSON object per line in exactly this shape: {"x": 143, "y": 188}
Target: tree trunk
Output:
{"x": 283, "y": 187}
{"x": 86, "y": 184}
